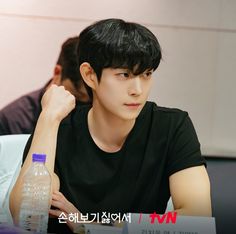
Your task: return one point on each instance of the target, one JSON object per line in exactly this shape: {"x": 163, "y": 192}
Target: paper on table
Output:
{"x": 183, "y": 224}
{"x": 97, "y": 229}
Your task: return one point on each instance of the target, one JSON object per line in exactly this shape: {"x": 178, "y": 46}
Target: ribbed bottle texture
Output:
{"x": 35, "y": 196}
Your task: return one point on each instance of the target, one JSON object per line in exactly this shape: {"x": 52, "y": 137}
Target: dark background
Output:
{"x": 222, "y": 173}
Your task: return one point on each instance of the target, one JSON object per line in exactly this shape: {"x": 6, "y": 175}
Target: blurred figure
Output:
{"x": 20, "y": 116}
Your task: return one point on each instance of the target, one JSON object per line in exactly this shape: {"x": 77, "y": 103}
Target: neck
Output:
{"x": 107, "y": 130}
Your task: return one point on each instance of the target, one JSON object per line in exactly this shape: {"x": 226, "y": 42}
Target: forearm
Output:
{"x": 44, "y": 141}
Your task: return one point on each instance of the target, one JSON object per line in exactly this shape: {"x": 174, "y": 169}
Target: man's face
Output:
{"x": 122, "y": 94}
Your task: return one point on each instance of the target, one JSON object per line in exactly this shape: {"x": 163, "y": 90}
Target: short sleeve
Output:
{"x": 184, "y": 150}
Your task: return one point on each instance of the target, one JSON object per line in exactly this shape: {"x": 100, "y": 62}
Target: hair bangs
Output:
{"x": 132, "y": 51}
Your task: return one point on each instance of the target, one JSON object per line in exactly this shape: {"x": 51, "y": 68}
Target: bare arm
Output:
{"x": 56, "y": 104}
{"x": 190, "y": 192}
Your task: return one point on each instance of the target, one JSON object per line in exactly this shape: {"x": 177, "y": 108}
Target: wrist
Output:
{"x": 49, "y": 118}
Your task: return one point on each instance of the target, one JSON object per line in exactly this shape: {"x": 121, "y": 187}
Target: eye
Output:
{"x": 124, "y": 75}
{"x": 147, "y": 74}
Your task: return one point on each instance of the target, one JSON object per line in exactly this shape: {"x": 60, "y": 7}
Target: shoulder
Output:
{"x": 166, "y": 122}
{"x": 162, "y": 122}
{"x": 164, "y": 114}
{"x": 20, "y": 115}
{"x": 25, "y": 102}
{"x": 174, "y": 128}
{"x": 153, "y": 107}
{"x": 27, "y": 107}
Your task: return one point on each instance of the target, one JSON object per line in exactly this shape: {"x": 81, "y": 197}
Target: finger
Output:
{"x": 59, "y": 196}
{"x": 61, "y": 87}
{"x": 64, "y": 206}
{"x": 68, "y": 93}
{"x": 58, "y": 192}
{"x": 56, "y": 213}
{"x": 60, "y": 205}
{"x": 61, "y": 202}
{"x": 53, "y": 86}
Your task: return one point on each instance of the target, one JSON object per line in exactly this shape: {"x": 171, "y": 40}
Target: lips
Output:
{"x": 133, "y": 104}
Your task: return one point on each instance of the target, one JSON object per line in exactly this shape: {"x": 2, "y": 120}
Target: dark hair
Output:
{"x": 118, "y": 44}
{"x": 68, "y": 61}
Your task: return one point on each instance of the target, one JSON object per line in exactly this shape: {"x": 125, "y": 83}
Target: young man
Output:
{"x": 20, "y": 116}
{"x": 123, "y": 154}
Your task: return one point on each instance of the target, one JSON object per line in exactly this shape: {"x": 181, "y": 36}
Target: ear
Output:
{"x": 88, "y": 75}
{"x": 57, "y": 75}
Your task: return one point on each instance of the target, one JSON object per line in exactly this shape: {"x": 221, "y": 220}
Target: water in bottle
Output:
{"x": 35, "y": 196}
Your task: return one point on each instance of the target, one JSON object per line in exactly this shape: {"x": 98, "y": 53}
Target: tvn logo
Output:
{"x": 169, "y": 217}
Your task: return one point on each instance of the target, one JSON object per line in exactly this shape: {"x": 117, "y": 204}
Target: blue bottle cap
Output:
{"x": 39, "y": 158}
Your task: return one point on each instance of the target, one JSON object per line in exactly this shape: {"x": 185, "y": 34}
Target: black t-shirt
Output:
{"x": 134, "y": 179}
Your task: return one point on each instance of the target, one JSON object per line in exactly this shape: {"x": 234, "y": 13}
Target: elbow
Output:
{"x": 198, "y": 210}
{"x": 200, "y": 206}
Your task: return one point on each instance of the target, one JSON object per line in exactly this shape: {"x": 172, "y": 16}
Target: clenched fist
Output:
{"x": 57, "y": 102}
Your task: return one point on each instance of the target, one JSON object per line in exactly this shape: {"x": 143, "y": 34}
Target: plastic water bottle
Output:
{"x": 35, "y": 196}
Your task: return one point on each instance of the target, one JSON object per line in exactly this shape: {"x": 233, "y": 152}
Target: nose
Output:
{"x": 135, "y": 88}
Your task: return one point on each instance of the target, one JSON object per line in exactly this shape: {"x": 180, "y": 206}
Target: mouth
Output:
{"x": 133, "y": 105}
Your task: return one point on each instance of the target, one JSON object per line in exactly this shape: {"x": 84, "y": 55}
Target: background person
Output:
{"x": 20, "y": 116}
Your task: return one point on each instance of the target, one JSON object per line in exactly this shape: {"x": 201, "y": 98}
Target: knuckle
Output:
{"x": 61, "y": 87}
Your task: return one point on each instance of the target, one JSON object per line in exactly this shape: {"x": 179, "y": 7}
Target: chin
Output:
{"x": 130, "y": 116}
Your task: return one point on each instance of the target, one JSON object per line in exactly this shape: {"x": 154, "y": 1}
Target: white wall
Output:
{"x": 198, "y": 38}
